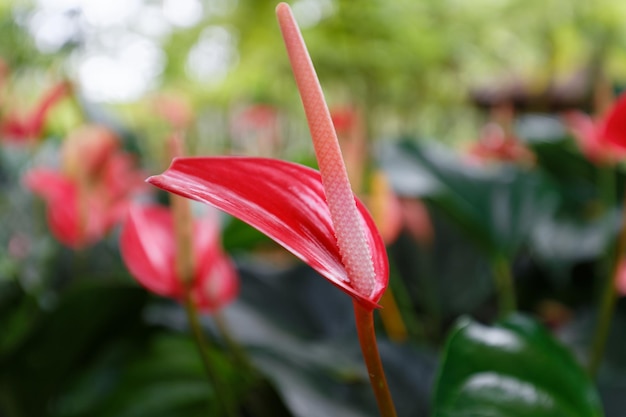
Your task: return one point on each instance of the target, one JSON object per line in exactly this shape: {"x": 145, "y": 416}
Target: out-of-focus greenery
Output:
{"x": 408, "y": 64}
{"x": 78, "y": 336}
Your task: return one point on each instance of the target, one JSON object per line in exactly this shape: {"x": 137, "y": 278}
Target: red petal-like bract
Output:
{"x": 80, "y": 219}
{"x": 285, "y": 201}
{"x": 148, "y": 247}
{"x": 31, "y": 126}
{"x": 60, "y": 195}
{"x": 590, "y": 141}
{"x": 613, "y": 128}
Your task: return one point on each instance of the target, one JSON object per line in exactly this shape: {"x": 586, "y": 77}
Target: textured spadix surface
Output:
{"x": 349, "y": 232}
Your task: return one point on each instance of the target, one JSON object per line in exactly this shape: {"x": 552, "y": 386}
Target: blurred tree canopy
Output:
{"x": 406, "y": 64}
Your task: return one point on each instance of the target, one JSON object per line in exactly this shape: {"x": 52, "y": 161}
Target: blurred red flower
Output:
{"x": 92, "y": 193}
{"x": 148, "y": 247}
{"x": 495, "y": 145}
{"x": 344, "y": 119}
{"x": 255, "y": 128}
{"x": 29, "y": 125}
{"x": 175, "y": 108}
{"x": 620, "y": 278}
{"x": 602, "y": 141}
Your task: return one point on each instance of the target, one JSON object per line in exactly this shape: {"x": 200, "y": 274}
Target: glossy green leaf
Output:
{"x": 512, "y": 369}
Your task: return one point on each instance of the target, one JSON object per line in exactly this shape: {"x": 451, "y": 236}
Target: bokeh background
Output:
{"x": 455, "y": 120}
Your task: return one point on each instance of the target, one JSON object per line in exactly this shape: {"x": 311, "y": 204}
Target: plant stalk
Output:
{"x": 391, "y": 317}
{"x": 183, "y": 230}
{"x": 367, "y": 338}
{"x": 239, "y": 354}
{"x": 608, "y": 301}
{"x": 504, "y": 285}
{"x": 224, "y": 404}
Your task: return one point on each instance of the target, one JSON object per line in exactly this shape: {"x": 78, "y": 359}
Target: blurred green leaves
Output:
{"x": 496, "y": 206}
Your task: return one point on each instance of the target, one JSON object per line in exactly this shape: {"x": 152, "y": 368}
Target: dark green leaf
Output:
{"x": 497, "y": 206}
{"x": 300, "y": 332}
{"x": 63, "y": 341}
{"x": 446, "y": 278}
{"x": 512, "y": 369}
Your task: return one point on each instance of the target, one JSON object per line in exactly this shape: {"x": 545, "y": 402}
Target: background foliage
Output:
{"x": 79, "y": 337}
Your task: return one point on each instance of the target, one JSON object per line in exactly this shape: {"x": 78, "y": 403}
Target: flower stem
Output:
{"x": 239, "y": 355}
{"x": 603, "y": 325}
{"x": 224, "y": 404}
{"x": 391, "y": 317}
{"x": 607, "y": 186}
{"x": 367, "y": 338}
{"x": 608, "y": 301}
{"x": 183, "y": 229}
{"x": 504, "y": 285}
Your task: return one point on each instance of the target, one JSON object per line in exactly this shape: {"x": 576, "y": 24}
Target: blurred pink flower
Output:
{"x": 417, "y": 221}
{"x": 620, "y": 280}
{"x": 175, "y": 108}
{"x": 603, "y": 140}
{"x": 344, "y": 119}
{"x": 148, "y": 247}
{"x": 19, "y": 245}
{"x": 91, "y": 195}
{"x": 255, "y": 128}
{"x": 29, "y": 126}
{"x": 494, "y": 145}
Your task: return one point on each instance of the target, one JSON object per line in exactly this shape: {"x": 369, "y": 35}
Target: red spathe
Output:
{"x": 285, "y": 201}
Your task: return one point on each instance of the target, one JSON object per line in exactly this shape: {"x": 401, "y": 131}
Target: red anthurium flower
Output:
{"x": 22, "y": 128}
{"x": 87, "y": 149}
{"x": 175, "y": 108}
{"x": 315, "y": 215}
{"x": 148, "y": 247}
{"x": 61, "y": 197}
{"x": 77, "y": 216}
{"x": 603, "y": 141}
{"x": 613, "y": 127}
{"x": 92, "y": 194}
{"x": 495, "y": 145}
{"x": 417, "y": 221}
{"x": 256, "y": 127}
{"x": 620, "y": 277}
{"x": 344, "y": 119}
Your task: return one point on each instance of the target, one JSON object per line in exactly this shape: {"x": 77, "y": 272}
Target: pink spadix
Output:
{"x": 349, "y": 229}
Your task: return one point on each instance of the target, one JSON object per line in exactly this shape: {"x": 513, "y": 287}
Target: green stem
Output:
{"x": 223, "y": 398}
{"x": 415, "y": 326}
{"x": 607, "y": 186}
{"x": 235, "y": 348}
{"x": 607, "y": 303}
{"x": 603, "y": 325}
{"x": 504, "y": 285}
{"x": 367, "y": 338}
{"x": 185, "y": 267}
{"x": 8, "y": 405}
